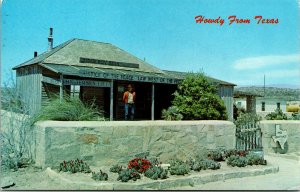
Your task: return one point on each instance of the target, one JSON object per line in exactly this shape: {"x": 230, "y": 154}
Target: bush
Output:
{"x": 171, "y": 114}
{"x": 16, "y": 130}
{"x": 74, "y": 166}
{"x": 203, "y": 164}
{"x": 178, "y": 167}
{"x": 255, "y": 160}
{"x": 100, "y": 176}
{"x": 116, "y": 169}
{"x": 72, "y": 109}
{"x": 242, "y": 161}
{"x": 238, "y": 161}
{"x": 216, "y": 155}
{"x": 128, "y": 174}
{"x": 231, "y": 152}
{"x": 237, "y": 111}
{"x": 247, "y": 118}
{"x": 139, "y": 164}
{"x": 196, "y": 99}
{"x": 295, "y": 116}
{"x": 156, "y": 173}
{"x": 277, "y": 115}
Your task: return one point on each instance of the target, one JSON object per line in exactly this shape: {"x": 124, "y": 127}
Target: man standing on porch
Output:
{"x": 129, "y": 99}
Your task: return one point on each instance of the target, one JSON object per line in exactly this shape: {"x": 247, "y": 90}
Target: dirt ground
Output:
{"x": 31, "y": 178}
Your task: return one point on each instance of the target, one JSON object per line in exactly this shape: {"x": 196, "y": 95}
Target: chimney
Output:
{"x": 35, "y": 54}
{"x": 50, "y": 40}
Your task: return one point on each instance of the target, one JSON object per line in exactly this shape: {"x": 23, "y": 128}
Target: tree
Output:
{"x": 196, "y": 99}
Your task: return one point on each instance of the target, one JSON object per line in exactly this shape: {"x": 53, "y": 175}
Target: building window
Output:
{"x": 263, "y": 106}
{"x": 239, "y": 104}
{"x": 278, "y": 105}
{"x": 75, "y": 90}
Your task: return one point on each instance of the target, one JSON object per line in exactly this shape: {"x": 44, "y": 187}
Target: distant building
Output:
{"x": 89, "y": 69}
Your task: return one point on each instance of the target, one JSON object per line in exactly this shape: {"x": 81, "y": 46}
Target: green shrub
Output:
{"x": 171, "y": 114}
{"x": 116, "y": 169}
{"x": 196, "y": 99}
{"x": 295, "y": 116}
{"x": 249, "y": 159}
{"x": 230, "y": 152}
{"x": 246, "y": 119}
{"x": 69, "y": 110}
{"x": 100, "y": 176}
{"x": 277, "y": 115}
{"x": 255, "y": 160}
{"x": 178, "y": 167}
{"x": 128, "y": 174}
{"x": 238, "y": 161}
{"x": 237, "y": 111}
{"x": 74, "y": 166}
{"x": 216, "y": 155}
{"x": 203, "y": 164}
{"x": 156, "y": 173}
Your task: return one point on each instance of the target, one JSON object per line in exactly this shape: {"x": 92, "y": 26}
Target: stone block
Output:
{"x": 88, "y": 138}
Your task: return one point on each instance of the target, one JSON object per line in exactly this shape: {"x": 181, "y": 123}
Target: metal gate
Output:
{"x": 248, "y": 137}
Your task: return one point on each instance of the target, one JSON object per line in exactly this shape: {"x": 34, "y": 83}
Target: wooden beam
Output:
{"x": 152, "y": 104}
{"x": 111, "y": 100}
{"x": 61, "y": 88}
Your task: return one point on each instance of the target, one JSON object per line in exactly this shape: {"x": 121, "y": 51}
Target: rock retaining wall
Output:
{"x": 107, "y": 143}
{"x": 292, "y": 129}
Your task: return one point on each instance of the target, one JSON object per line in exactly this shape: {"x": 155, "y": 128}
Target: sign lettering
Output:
{"x": 106, "y": 62}
{"x": 89, "y": 83}
{"x": 128, "y": 77}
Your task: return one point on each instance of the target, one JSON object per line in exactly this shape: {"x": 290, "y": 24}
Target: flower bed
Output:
{"x": 141, "y": 168}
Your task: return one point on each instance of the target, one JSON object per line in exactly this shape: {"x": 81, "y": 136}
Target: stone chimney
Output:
{"x": 50, "y": 40}
{"x": 35, "y": 54}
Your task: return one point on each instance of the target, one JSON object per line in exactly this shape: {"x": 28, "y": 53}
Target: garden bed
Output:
{"x": 84, "y": 181}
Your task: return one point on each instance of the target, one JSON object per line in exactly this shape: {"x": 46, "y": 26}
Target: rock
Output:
{"x": 7, "y": 182}
{"x": 165, "y": 166}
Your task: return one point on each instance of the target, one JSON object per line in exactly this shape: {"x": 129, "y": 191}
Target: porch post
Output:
{"x": 111, "y": 100}
{"x": 152, "y": 106}
{"x": 61, "y": 88}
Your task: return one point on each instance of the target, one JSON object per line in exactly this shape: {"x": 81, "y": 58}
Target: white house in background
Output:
{"x": 270, "y": 105}
{"x": 263, "y": 104}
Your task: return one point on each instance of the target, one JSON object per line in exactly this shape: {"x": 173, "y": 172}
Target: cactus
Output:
{"x": 178, "y": 167}
{"x": 74, "y": 166}
{"x": 128, "y": 174}
{"x": 238, "y": 161}
{"x": 203, "y": 164}
{"x": 116, "y": 169}
{"x": 216, "y": 155}
{"x": 156, "y": 173}
{"x": 100, "y": 176}
{"x": 249, "y": 159}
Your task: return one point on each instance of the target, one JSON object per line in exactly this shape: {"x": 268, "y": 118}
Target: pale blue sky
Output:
{"x": 166, "y": 34}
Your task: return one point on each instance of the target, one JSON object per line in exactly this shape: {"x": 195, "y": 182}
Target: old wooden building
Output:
{"x": 101, "y": 71}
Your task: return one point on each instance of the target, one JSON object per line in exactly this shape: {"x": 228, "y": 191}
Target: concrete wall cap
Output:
{"x": 128, "y": 123}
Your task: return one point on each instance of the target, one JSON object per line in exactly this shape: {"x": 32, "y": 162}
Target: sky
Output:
{"x": 166, "y": 34}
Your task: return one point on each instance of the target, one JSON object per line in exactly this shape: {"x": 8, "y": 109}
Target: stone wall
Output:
{"x": 107, "y": 143}
{"x": 293, "y": 133}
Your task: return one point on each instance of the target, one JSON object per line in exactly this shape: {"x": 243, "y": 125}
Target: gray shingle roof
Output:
{"x": 69, "y": 53}
{"x": 65, "y": 59}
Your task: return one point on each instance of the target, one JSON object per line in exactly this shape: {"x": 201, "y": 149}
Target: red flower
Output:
{"x": 139, "y": 164}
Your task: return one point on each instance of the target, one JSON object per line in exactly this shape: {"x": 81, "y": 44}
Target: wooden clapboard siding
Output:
{"x": 226, "y": 93}
{"x": 29, "y": 87}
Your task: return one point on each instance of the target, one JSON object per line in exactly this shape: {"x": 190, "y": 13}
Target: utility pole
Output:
{"x": 264, "y": 85}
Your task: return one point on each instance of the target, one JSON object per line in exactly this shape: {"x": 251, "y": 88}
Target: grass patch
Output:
{"x": 69, "y": 109}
